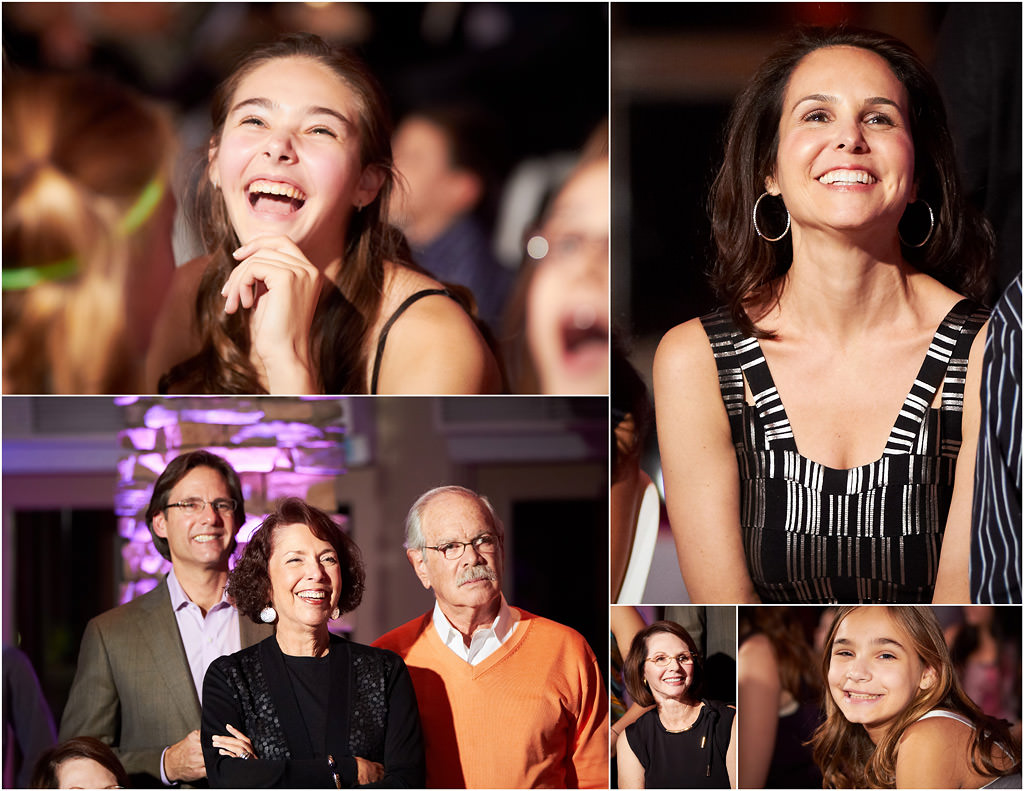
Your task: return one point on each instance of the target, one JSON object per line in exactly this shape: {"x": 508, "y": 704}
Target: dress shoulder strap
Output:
{"x": 945, "y": 365}
{"x": 427, "y": 292}
{"x": 945, "y": 714}
{"x": 739, "y": 356}
{"x": 724, "y": 336}
{"x": 969, "y": 319}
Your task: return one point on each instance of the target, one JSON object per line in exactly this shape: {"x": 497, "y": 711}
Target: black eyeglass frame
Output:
{"x": 475, "y": 543}
{"x": 225, "y": 506}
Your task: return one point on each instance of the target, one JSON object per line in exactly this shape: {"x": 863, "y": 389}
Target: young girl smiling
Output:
{"x": 896, "y": 714}
{"x": 308, "y": 289}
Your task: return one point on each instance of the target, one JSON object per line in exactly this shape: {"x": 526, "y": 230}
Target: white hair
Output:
{"x": 413, "y": 522}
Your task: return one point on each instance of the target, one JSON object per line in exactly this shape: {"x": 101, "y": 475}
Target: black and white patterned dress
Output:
{"x": 872, "y": 533}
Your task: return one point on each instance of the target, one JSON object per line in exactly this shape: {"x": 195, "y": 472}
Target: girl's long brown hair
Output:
{"x": 345, "y": 312}
{"x": 961, "y": 249}
{"x": 849, "y": 759}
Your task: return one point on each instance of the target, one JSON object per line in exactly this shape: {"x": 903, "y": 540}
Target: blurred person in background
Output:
{"x": 559, "y": 315}
{"x": 308, "y": 289}
{"x": 87, "y": 217}
{"x": 632, "y": 415}
{"x": 449, "y": 159}
{"x": 985, "y": 648}
{"x": 625, "y": 622}
{"x": 779, "y": 695}
{"x": 82, "y": 762}
{"x": 28, "y": 722}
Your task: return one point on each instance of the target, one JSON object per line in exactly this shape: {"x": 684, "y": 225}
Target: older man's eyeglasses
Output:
{"x": 453, "y": 550}
{"x": 664, "y": 660}
{"x": 195, "y": 505}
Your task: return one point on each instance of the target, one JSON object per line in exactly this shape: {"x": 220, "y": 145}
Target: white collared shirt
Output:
{"x": 485, "y": 640}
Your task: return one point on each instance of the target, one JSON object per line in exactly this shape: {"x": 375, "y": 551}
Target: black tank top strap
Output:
{"x": 969, "y": 319}
{"x": 945, "y": 365}
{"x": 778, "y": 432}
{"x": 740, "y": 357}
{"x": 722, "y": 335}
{"x": 427, "y": 292}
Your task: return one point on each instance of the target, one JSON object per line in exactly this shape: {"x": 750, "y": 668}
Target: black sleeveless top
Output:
{"x": 694, "y": 758}
{"x": 427, "y": 292}
{"x": 873, "y": 533}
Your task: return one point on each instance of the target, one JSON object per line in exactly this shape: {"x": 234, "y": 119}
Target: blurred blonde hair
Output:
{"x": 79, "y": 153}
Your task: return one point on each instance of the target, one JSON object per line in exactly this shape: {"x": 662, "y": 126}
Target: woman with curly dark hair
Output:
{"x": 812, "y": 428}
{"x": 896, "y": 715}
{"x": 308, "y": 288}
{"x": 305, "y": 708}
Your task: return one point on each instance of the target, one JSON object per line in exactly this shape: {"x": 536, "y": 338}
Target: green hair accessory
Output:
{"x": 20, "y": 278}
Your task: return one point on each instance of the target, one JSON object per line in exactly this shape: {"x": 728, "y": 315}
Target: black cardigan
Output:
{"x": 371, "y": 713}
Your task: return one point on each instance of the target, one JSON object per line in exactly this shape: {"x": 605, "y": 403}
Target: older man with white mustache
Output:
{"x": 507, "y": 699}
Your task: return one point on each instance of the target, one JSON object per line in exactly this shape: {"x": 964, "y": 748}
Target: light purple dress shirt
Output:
{"x": 204, "y": 639}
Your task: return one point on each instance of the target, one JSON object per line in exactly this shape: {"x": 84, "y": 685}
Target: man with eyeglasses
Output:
{"x": 507, "y": 699}
{"x": 141, "y": 665}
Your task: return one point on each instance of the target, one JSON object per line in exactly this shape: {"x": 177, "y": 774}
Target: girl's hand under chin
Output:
{"x": 281, "y": 287}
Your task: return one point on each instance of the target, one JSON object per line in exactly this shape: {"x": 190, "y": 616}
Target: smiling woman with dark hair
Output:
{"x": 818, "y": 431}
{"x": 685, "y": 741}
{"x": 305, "y": 708}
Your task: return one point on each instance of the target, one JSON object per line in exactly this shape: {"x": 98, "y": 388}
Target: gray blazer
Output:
{"x": 133, "y": 688}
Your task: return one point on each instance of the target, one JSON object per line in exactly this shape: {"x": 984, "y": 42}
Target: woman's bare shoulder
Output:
{"x": 434, "y": 346}
{"x": 433, "y": 312}
{"x": 937, "y": 298}
{"x": 932, "y": 753}
{"x": 400, "y": 283}
{"x": 685, "y": 351}
{"x": 757, "y": 647}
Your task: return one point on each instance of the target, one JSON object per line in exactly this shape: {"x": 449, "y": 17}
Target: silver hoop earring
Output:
{"x": 757, "y": 228}
{"x": 931, "y": 226}
{"x": 268, "y": 614}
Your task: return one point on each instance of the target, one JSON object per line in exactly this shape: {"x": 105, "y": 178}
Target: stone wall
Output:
{"x": 279, "y": 447}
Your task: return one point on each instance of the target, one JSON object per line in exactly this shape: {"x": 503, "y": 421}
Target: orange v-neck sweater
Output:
{"x": 534, "y": 714}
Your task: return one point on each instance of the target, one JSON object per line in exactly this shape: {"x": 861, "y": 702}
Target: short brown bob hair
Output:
{"x": 633, "y": 669}
{"x": 49, "y": 762}
{"x": 249, "y": 583}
